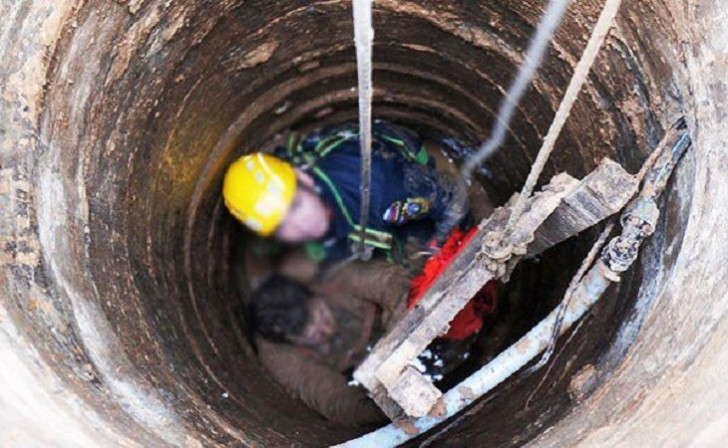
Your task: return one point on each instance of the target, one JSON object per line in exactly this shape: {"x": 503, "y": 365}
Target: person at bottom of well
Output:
{"x": 309, "y": 339}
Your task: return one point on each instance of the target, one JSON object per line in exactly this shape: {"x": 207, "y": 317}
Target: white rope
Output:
{"x": 534, "y": 55}
{"x": 599, "y": 33}
{"x": 363, "y": 38}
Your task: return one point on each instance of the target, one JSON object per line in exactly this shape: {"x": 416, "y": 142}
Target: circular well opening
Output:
{"x": 144, "y": 110}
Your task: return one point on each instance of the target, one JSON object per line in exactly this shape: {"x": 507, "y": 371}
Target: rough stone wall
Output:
{"x": 116, "y": 118}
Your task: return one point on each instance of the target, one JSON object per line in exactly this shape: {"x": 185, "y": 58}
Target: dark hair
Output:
{"x": 278, "y": 308}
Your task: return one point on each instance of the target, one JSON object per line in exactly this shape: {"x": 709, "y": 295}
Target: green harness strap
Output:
{"x": 421, "y": 157}
{"x": 375, "y": 238}
{"x": 326, "y": 145}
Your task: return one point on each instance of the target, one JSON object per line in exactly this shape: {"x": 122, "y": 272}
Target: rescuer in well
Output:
{"x": 309, "y": 193}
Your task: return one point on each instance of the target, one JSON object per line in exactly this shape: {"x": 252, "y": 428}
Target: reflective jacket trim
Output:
{"x": 374, "y": 238}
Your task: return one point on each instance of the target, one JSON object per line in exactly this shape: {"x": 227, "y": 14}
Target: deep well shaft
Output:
{"x": 119, "y": 293}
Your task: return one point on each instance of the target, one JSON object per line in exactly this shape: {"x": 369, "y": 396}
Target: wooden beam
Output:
{"x": 602, "y": 193}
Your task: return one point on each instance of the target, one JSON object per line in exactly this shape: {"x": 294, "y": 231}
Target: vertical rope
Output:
{"x": 599, "y": 33}
{"x": 363, "y": 38}
{"x": 536, "y": 49}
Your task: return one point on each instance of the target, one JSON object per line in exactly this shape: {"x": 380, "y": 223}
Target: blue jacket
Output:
{"x": 407, "y": 198}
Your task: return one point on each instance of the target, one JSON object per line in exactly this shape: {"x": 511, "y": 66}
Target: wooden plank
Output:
{"x": 460, "y": 285}
{"x": 602, "y": 193}
{"x": 365, "y": 373}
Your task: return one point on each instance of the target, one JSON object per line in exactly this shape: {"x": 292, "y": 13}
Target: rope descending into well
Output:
{"x": 564, "y": 305}
{"x": 680, "y": 140}
{"x": 531, "y": 62}
{"x": 363, "y": 37}
{"x": 596, "y": 40}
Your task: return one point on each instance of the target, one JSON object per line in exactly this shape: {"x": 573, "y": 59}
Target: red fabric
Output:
{"x": 470, "y": 319}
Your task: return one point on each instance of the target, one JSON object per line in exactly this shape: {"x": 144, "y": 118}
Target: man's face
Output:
{"x": 320, "y": 327}
{"x": 307, "y": 218}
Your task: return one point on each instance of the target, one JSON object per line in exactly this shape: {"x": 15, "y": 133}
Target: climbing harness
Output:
{"x": 307, "y": 153}
{"x": 365, "y": 239}
{"x": 307, "y": 159}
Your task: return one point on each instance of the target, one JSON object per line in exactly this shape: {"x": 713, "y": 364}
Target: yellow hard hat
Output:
{"x": 258, "y": 189}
